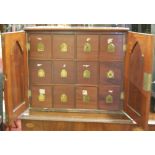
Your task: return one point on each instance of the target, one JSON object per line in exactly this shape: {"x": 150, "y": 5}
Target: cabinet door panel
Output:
{"x": 138, "y": 73}
{"x": 16, "y": 74}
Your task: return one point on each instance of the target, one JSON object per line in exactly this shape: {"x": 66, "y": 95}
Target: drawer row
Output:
{"x": 85, "y": 47}
{"x": 80, "y": 72}
{"x": 76, "y": 97}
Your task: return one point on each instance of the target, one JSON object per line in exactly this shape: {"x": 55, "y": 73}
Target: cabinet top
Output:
{"x": 50, "y": 28}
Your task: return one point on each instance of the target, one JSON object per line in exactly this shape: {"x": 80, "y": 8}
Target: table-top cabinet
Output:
{"x": 74, "y": 76}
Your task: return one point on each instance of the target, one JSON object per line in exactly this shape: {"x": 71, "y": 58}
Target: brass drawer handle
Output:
{"x": 29, "y": 125}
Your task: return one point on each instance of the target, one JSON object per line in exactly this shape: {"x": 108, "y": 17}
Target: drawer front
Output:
{"x": 87, "y": 47}
{"x": 40, "y": 46}
{"x": 41, "y": 97}
{"x": 86, "y": 98}
{"x": 63, "y": 96}
{"x": 40, "y": 72}
{"x": 111, "y": 47}
{"x": 63, "y": 46}
{"x": 87, "y": 72}
{"x": 64, "y": 72}
{"x": 109, "y": 97}
{"x": 111, "y": 73}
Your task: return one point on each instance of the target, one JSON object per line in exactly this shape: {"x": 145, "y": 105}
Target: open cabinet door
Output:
{"x": 15, "y": 74}
{"x": 138, "y": 77}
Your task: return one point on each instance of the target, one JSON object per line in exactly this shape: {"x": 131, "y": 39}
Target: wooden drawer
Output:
{"x": 41, "y": 96}
{"x": 63, "y": 96}
{"x": 111, "y": 47}
{"x": 109, "y": 97}
{"x": 40, "y": 46}
{"x": 40, "y": 72}
{"x": 63, "y": 46}
{"x": 86, "y": 97}
{"x": 87, "y": 72}
{"x": 111, "y": 73}
{"x": 64, "y": 72}
{"x": 87, "y": 47}
{"x": 45, "y": 125}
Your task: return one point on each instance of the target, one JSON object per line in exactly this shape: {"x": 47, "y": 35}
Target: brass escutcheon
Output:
{"x": 86, "y": 74}
{"x": 63, "y": 73}
{"x": 109, "y": 99}
{"x": 41, "y": 73}
{"x": 63, "y": 47}
{"x": 64, "y": 98}
{"x": 111, "y": 47}
{"x": 86, "y": 98}
{"x": 40, "y": 47}
{"x": 110, "y": 74}
{"x": 87, "y": 47}
{"x": 41, "y": 97}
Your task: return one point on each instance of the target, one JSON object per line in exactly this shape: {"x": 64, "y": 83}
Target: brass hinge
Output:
{"x": 122, "y": 95}
{"x": 29, "y": 93}
{"x": 124, "y": 47}
{"x": 28, "y": 46}
{"x": 147, "y": 81}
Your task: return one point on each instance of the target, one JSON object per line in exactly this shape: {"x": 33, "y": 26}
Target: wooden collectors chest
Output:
{"x": 78, "y": 78}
